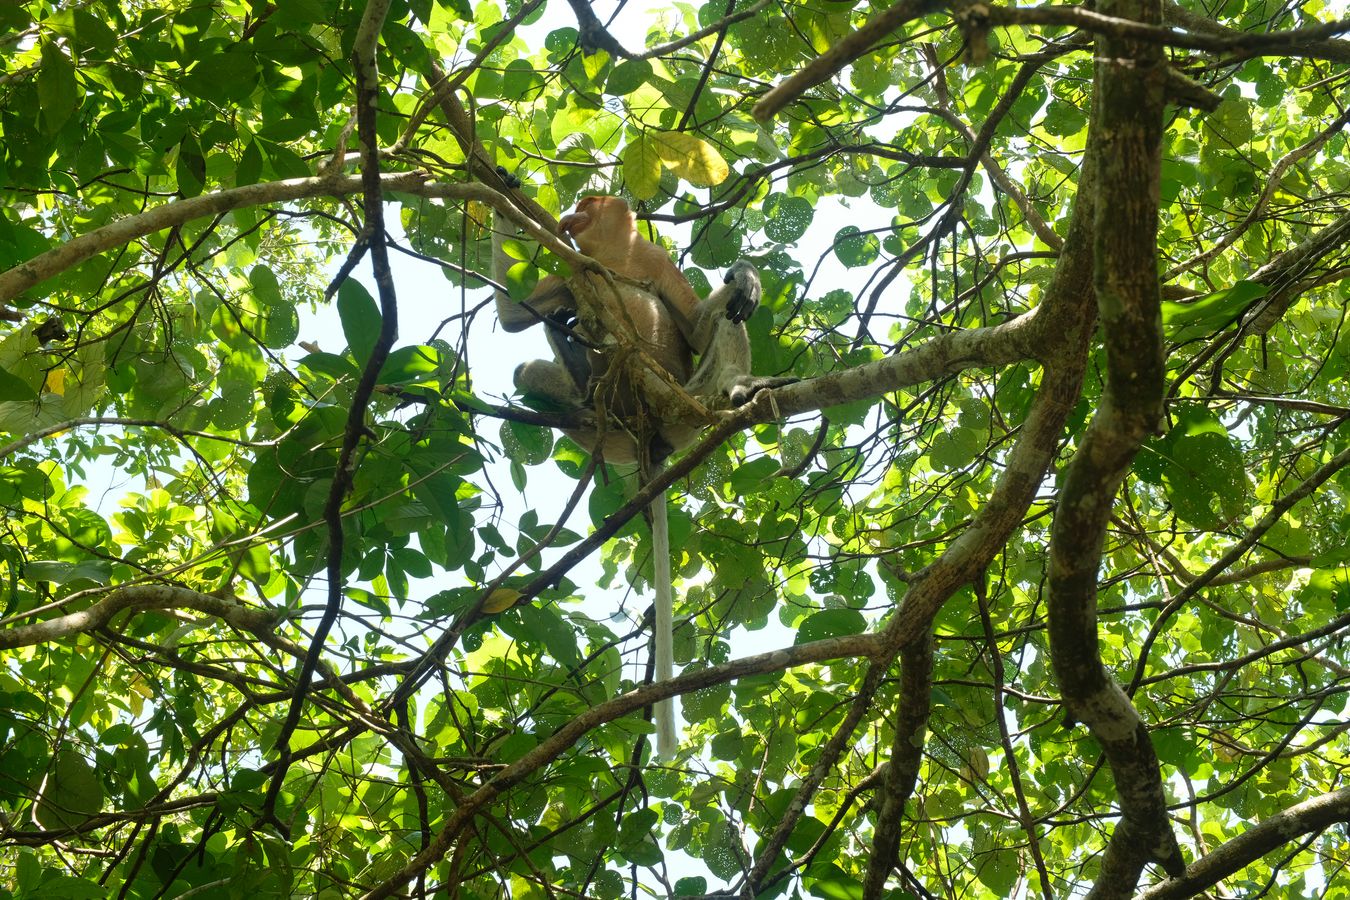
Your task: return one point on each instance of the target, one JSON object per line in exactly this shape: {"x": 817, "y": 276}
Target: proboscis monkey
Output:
{"x": 674, "y": 327}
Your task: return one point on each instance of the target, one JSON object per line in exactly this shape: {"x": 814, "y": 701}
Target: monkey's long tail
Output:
{"x": 664, "y": 712}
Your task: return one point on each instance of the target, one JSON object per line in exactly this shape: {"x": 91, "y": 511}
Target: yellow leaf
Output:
{"x": 691, "y": 158}
{"x": 501, "y": 600}
{"x": 480, "y": 214}
{"x": 56, "y": 382}
{"x": 641, "y": 168}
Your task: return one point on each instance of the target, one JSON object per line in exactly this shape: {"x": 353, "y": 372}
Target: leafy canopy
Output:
{"x": 1050, "y": 541}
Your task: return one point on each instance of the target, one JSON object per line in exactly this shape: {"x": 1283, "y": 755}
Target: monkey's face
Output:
{"x": 599, "y": 222}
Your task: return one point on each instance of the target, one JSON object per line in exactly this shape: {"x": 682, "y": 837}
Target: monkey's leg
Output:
{"x": 568, "y": 351}
{"x": 724, "y": 369}
{"x": 717, "y": 333}
{"x": 550, "y": 380}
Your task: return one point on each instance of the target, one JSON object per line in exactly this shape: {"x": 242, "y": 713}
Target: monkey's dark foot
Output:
{"x": 507, "y": 178}
{"x": 746, "y": 387}
{"x": 745, "y": 290}
{"x": 51, "y": 330}
{"x": 659, "y": 450}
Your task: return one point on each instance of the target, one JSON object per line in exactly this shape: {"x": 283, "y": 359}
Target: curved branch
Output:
{"x": 1272, "y": 184}
{"x": 844, "y": 51}
{"x": 1329, "y": 49}
{"x": 1249, "y": 540}
{"x": 718, "y": 27}
{"x": 1068, "y": 305}
{"x": 1308, "y": 817}
{"x": 374, "y": 238}
{"x": 1121, "y": 29}
{"x": 180, "y": 433}
{"x": 902, "y": 769}
{"x": 139, "y": 598}
{"x": 178, "y": 212}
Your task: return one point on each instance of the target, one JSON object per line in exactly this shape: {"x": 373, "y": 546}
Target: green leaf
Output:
{"x": 249, "y": 170}
{"x": 830, "y": 623}
{"x": 330, "y": 364}
{"x": 691, "y": 886}
{"x": 1206, "y": 315}
{"x": 628, "y": 76}
{"x": 642, "y": 168}
{"x": 855, "y": 249}
{"x": 728, "y": 744}
{"x": 58, "y": 93}
{"x": 751, "y": 476}
{"x": 1064, "y": 119}
{"x": 266, "y": 289}
{"x": 12, "y": 387}
{"x": 787, "y": 218}
{"x": 998, "y": 870}
{"x": 595, "y": 64}
{"x": 227, "y": 77}
{"x": 722, "y": 851}
{"x": 529, "y": 445}
{"x": 411, "y": 365}
{"x": 1206, "y": 480}
{"x": 72, "y": 792}
{"x": 830, "y": 882}
{"x": 360, "y": 319}
{"x": 190, "y": 169}
{"x": 519, "y": 80}
{"x": 94, "y": 37}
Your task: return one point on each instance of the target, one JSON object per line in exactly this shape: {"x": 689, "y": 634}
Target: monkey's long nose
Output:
{"x": 572, "y": 223}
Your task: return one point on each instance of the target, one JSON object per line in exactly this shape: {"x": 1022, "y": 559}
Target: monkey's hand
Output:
{"x": 745, "y": 290}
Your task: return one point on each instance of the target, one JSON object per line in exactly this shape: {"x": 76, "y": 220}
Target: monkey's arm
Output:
{"x": 717, "y": 332}
{"x": 549, "y": 296}
{"x": 728, "y": 306}
{"x": 646, "y": 261}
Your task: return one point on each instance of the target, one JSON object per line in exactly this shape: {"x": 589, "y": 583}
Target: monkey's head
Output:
{"x": 600, "y": 223}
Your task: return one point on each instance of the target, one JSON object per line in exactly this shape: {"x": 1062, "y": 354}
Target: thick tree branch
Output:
{"x": 1308, "y": 817}
{"x": 1331, "y": 50}
{"x": 979, "y": 15}
{"x": 592, "y": 35}
{"x": 1123, "y": 149}
{"x": 503, "y": 32}
{"x": 139, "y": 598}
{"x": 1064, "y": 351}
{"x": 902, "y": 769}
{"x": 844, "y": 51}
{"x": 1122, "y": 29}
